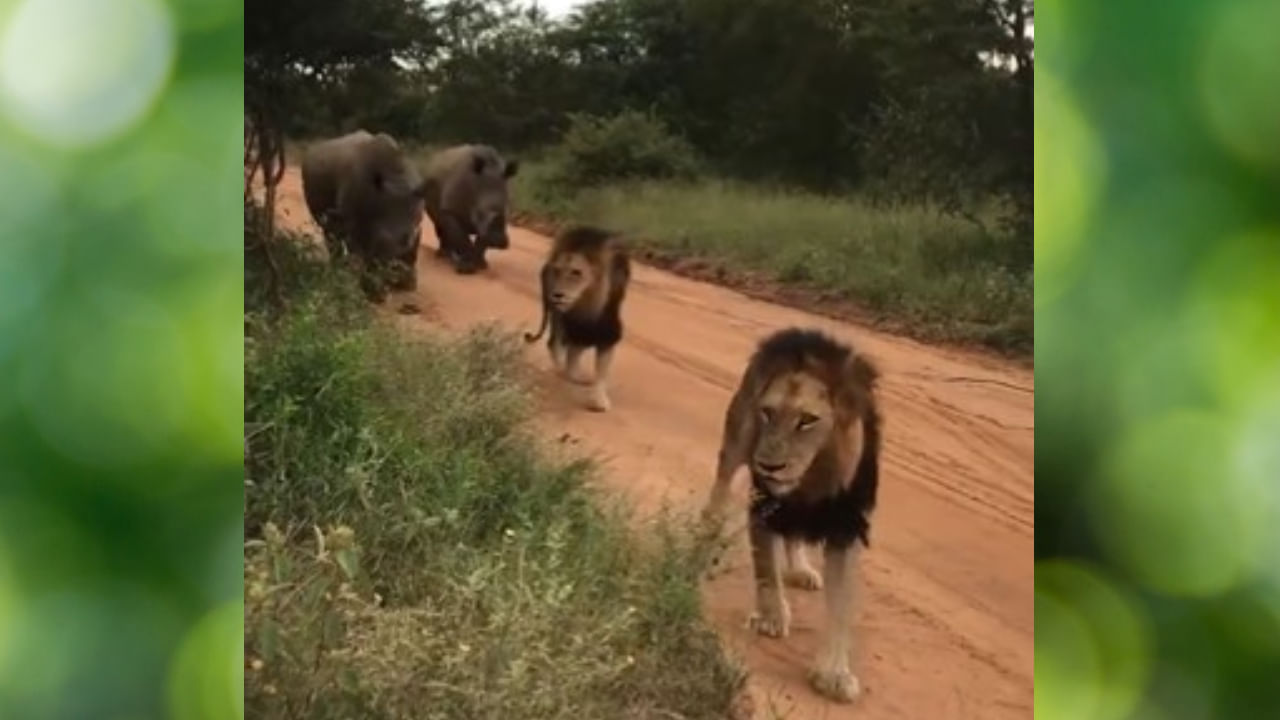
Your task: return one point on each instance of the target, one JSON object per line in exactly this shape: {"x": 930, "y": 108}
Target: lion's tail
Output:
{"x": 533, "y": 337}
{"x": 546, "y": 310}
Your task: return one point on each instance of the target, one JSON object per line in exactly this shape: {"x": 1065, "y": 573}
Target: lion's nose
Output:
{"x": 770, "y": 468}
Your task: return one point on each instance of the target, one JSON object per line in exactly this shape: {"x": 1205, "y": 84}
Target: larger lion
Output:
{"x": 584, "y": 281}
{"x": 804, "y": 420}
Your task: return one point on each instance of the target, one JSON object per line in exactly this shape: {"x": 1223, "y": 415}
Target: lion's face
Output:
{"x": 795, "y": 419}
{"x": 570, "y": 277}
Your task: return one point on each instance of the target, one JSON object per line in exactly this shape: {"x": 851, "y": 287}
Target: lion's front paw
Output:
{"x": 805, "y": 578}
{"x": 599, "y": 400}
{"x": 713, "y": 516}
{"x": 771, "y": 620}
{"x": 836, "y": 684}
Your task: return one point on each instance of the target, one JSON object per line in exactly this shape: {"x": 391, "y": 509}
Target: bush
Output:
{"x": 410, "y": 553}
{"x": 627, "y": 146}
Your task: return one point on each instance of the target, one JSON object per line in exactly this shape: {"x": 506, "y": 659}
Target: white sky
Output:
{"x": 559, "y": 8}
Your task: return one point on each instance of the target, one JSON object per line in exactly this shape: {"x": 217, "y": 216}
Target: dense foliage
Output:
{"x": 919, "y": 99}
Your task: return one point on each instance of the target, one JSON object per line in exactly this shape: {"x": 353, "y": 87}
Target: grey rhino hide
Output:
{"x": 362, "y": 190}
{"x": 465, "y": 194}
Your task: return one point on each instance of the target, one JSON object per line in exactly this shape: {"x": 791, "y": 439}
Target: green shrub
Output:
{"x": 411, "y": 554}
{"x": 627, "y": 146}
{"x": 929, "y": 273}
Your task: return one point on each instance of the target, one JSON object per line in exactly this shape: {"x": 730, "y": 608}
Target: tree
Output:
{"x": 915, "y": 98}
{"x": 292, "y": 44}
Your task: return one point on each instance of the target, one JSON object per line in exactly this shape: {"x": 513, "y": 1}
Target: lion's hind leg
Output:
{"x": 600, "y": 401}
{"x": 571, "y": 370}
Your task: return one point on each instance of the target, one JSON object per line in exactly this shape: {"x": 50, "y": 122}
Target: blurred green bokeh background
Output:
{"x": 121, "y": 356}
{"x": 1158, "y": 359}
{"x": 1158, "y": 323}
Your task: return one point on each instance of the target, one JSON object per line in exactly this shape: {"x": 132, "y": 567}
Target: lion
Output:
{"x": 805, "y": 420}
{"x": 584, "y": 281}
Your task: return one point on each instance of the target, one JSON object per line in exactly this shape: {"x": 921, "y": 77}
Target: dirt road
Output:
{"x": 945, "y": 627}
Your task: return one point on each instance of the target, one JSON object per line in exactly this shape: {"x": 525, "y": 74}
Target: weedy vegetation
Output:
{"x": 411, "y": 553}
{"x": 935, "y": 275}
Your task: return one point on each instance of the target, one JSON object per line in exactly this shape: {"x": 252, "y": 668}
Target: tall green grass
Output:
{"x": 934, "y": 275}
{"x": 411, "y": 554}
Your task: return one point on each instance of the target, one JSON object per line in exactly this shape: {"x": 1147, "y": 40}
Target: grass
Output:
{"x": 935, "y": 276}
{"x": 411, "y": 554}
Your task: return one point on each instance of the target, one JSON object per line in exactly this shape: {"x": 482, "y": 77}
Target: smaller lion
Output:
{"x": 804, "y": 419}
{"x": 584, "y": 281}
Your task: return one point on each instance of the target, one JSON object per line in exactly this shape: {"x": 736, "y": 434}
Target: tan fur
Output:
{"x": 818, "y": 458}
{"x": 584, "y": 282}
{"x": 803, "y": 426}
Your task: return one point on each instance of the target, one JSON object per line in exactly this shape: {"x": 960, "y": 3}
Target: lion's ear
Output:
{"x": 857, "y": 378}
{"x": 859, "y": 371}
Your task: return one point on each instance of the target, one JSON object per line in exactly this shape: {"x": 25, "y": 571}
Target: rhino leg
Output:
{"x": 331, "y": 229}
{"x": 442, "y": 242}
{"x": 406, "y": 267}
{"x": 374, "y": 287}
{"x": 471, "y": 258}
{"x": 403, "y": 278}
{"x": 368, "y": 276}
{"x": 450, "y": 235}
{"x": 411, "y": 255}
{"x": 456, "y": 242}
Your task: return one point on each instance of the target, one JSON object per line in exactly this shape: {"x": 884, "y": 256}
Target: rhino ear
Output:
{"x": 477, "y": 164}
{"x": 513, "y": 167}
{"x": 378, "y": 180}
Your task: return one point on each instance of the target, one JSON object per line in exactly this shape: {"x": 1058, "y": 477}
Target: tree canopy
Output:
{"x": 909, "y": 98}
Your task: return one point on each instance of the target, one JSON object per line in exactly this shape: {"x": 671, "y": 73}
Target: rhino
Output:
{"x": 465, "y": 195}
{"x": 366, "y": 195}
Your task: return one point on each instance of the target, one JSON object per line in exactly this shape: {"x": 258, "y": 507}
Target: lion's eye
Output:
{"x": 576, "y": 273}
{"x": 807, "y": 420}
